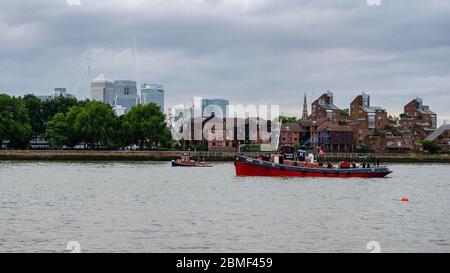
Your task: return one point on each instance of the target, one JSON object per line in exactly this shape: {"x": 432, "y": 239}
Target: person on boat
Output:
{"x": 261, "y": 157}
{"x": 364, "y": 165}
{"x": 368, "y": 164}
{"x": 310, "y": 158}
{"x": 329, "y": 166}
{"x": 302, "y": 155}
{"x": 345, "y": 165}
{"x": 354, "y": 165}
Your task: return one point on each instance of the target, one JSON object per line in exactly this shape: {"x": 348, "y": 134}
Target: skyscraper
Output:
{"x": 125, "y": 94}
{"x": 102, "y": 89}
{"x": 125, "y": 88}
{"x": 153, "y": 93}
{"x": 216, "y": 106}
{"x": 305, "y": 109}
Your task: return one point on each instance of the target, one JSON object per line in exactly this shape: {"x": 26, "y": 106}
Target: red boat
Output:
{"x": 246, "y": 166}
{"x": 186, "y": 161}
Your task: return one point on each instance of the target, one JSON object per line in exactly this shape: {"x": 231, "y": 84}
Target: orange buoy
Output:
{"x": 404, "y": 199}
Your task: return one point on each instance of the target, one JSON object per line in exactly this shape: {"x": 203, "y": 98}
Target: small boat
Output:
{"x": 246, "y": 166}
{"x": 186, "y": 161}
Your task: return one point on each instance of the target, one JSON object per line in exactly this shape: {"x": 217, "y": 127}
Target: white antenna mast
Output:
{"x": 136, "y": 67}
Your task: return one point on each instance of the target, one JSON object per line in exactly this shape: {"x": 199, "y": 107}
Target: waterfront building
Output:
{"x": 442, "y": 137}
{"x": 331, "y": 137}
{"x": 421, "y": 113}
{"x": 292, "y": 134}
{"x": 374, "y": 117}
{"x": 153, "y": 93}
{"x": 102, "y": 89}
{"x": 324, "y": 107}
{"x": 225, "y": 134}
{"x": 217, "y": 106}
{"x": 368, "y": 123}
{"x": 421, "y": 119}
{"x": 399, "y": 143}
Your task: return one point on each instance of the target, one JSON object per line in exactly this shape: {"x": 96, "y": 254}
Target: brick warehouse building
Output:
{"x": 292, "y": 134}
{"x": 331, "y": 137}
{"x": 324, "y": 107}
{"x": 420, "y": 119}
{"x": 368, "y": 123}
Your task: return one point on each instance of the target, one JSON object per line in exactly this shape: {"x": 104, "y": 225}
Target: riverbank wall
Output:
{"x": 16, "y": 155}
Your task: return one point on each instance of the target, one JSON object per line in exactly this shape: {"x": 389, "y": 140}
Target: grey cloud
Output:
{"x": 246, "y": 51}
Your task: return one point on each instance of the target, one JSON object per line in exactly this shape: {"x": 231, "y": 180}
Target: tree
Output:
{"x": 93, "y": 123}
{"x": 34, "y": 108}
{"x": 57, "y": 105}
{"x": 430, "y": 146}
{"x": 119, "y": 138}
{"x": 344, "y": 112}
{"x": 57, "y": 133}
{"x": 285, "y": 119}
{"x": 145, "y": 124}
{"x": 404, "y": 116}
{"x": 14, "y": 122}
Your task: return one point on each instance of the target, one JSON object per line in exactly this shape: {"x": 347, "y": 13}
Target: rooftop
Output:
{"x": 439, "y": 131}
{"x": 328, "y": 126}
{"x": 292, "y": 127}
{"x": 101, "y": 78}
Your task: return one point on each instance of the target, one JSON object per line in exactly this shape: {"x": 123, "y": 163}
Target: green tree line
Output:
{"x": 67, "y": 122}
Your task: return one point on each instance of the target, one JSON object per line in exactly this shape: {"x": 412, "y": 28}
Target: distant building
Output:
{"x": 442, "y": 137}
{"x": 125, "y": 88}
{"x": 324, "y": 107}
{"x": 153, "y": 93}
{"x": 375, "y": 117}
{"x": 420, "y": 118}
{"x": 217, "y": 106}
{"x": 62, "y": 92}
{"x": 119, "y": 110}
{"x": 102, "y": 89}
{"x": 58, "y": 92}
{"x": 399, "y": 144}
{"x": 305, "y": 109}
{"x": 367, "y": 123}
{"x": 45, "y": 97}
{"x": 331, "y": 137}
{"x": 292, "y": 134}
{"x": 225, "y": 134}
{"x": 125, "y": 94}
{"x": 421, "y": 114}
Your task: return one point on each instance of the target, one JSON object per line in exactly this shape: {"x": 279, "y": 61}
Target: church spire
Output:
{"x": 305, "y": 109}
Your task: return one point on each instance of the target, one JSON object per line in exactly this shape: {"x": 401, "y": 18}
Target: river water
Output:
{"x": 152, "y": 207}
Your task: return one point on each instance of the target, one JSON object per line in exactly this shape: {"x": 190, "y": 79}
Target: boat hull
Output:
{"x": 177, "y": 164}
{"x": 246, "y": 166}
{"x": 191, "y": 164}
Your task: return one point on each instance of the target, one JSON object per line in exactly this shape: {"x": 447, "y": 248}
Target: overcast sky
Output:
{"x": 247, "y": 51}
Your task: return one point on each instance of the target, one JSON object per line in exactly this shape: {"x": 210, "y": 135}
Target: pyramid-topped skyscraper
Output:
{"x": 102, "y": 89}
